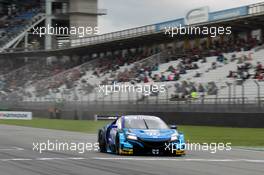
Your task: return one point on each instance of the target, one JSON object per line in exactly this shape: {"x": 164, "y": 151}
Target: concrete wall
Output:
{"x": 83, "y": 5}
{"x": 209, "y": 115}
{"x": 82, "y": 20}
{"x": 83, "y": 13}
{"x": 250, "y": 120}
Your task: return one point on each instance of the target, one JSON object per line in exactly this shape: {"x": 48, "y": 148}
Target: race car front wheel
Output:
{"x": 117, "y": 145}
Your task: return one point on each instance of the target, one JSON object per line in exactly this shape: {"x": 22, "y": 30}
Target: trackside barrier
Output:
{"x": 104, "y": 117}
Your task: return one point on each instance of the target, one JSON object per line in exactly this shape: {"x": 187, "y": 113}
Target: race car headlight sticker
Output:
{"x": 131, "y": 137}
{"x": 174, "y": 137}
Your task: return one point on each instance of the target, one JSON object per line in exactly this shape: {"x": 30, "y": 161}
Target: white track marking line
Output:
{"x": 43, "y": 159}
{"x": 16, "y": 159}
{"x": 12, "y": 149}
{"x": 180, "y": 160}
{"x": 56, "y": 158}
{"x": 133, "y": 159}
{"x": 19, "y": 149}
{"x": 248, "y": 150}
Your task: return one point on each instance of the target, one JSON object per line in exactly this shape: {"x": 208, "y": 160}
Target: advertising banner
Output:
{"x": 230, "y": 13}
{"x": 198, "y": 15}
{"x": 173, "y": 23}
{"x": 15, "y": 115}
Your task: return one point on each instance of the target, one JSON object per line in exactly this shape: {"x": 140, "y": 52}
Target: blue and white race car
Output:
{"x": 140, "y": 134}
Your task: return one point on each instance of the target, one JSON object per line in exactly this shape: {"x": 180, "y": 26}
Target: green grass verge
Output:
{"x": 86, "y": 126}
{"x": 236, "y": 136}
{"x": 195, "y": 134}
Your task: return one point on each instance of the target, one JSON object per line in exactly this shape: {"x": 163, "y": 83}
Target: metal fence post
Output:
{"x": 229, "y": 92}
{"x": 234, "y": 92}
{"x": 203, "y": 95}
{"x": 119, "y": 96}
{"x": 258, "y": 97}
{"x": 137, "y": 105}
{"x": 88, "y": 98}
{"x": 111, "y": 97}
{"x": 96, "y": 96}
{"x": 82, "y": 110}
{"x": 167, "y": 95}
{"x": 75, "y": 99}
{"x": 216, "y": 97}
{"x": 157, "y": 98}
{"x": 243, "y": 93}
{"x": 128, "y": 97}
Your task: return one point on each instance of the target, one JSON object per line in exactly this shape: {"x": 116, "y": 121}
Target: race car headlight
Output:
{"x": 174, "y": 137}
{"x": 131, "y": 137}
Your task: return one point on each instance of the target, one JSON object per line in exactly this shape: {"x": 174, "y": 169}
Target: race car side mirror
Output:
{"x": 173, "y": 126}
{"x": 114, "y": 126}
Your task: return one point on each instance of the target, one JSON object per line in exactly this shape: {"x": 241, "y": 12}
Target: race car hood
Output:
{"x": 153, "y": 135}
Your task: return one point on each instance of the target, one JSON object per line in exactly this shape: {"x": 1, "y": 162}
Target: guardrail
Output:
{"x": 70, "y": 108}
{"x": 208, "y": 100}
{"x": 256, "y": 8}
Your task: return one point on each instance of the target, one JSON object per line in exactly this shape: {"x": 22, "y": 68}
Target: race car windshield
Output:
{"x": 145, "y": 123}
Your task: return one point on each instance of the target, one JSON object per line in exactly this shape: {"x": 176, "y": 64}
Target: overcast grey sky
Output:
{"x": 123, "y": 14}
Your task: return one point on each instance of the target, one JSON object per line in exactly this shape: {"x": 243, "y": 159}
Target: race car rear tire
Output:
{"x": 102, "y": 144}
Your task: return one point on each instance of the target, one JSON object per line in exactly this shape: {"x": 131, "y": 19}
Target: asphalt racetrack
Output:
{"x": 18, "y": 158}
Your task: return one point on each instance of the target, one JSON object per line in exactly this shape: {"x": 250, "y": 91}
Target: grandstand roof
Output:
{"x": 237, "y": 18}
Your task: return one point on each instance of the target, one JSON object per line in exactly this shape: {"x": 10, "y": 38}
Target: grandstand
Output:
{"x": 194, "y": 69}
{"x": 205, "y": 73}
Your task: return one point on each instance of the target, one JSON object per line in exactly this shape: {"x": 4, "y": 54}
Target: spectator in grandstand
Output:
{"x": 261, "y": 77}
{"x": 214, "y": 65}
{"x": 242, "y": 72}
{"x": 233, "y": 58}
{"x": 176, "y": 76}
{"x": 171, "y": 69}
{"x": 170, "y": 77}
{"x": 204, "y": 60}
{"x": 146, "y": 80}
{"x": 259, "y": 67}
{"x": 245, "y": 75}
{"x": 182, "y": 70}
{"x": 197, "y": 74}
{"x": 212, "y": 88}
{"x": 201, "y": 88}
{"x": 195, "y": 66}
{"x": 194, "y": 95}
{"x": 156, "y": 78}
{"x": 241, "y": 60}
{"x": 220, "y": 58}
{"x": 163, "y": 78}
{"x": 155, "y": 67}
{"x": 231, "y": 74}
